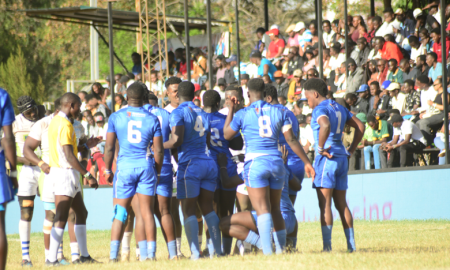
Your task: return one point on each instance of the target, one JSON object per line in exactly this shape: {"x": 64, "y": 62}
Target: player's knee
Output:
{"x": 49, "y": 215}
{"x": 72, "y": 217}
{"x": 26, "y": 214}
{"x": 26, "y": 204}
{"x": 120, "y": 213}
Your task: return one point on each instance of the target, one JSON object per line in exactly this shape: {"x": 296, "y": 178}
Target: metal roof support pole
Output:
{"x": 238, "y": 46}
{"x": 210, "y": 49}
{"x": 111, "y": 54}
{"x": 444, "y": 79}
{"x": 188, "y": 41}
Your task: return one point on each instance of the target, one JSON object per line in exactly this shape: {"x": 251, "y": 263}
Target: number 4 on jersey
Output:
{"x": 199, "y": 126}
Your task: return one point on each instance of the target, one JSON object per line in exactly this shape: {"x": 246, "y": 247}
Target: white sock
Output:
{"x": 247, "y": 246}
{"x": 200, "y": 241}
{"x": 178, "y": 240}
{"x": 80, "y": 233}
{"x": 138, "y": 253}
{"x": 24, "y": 234}
{"x": 55, "y": 238}
{"x": 46, "y": 254}
{"x": 60, "y": 250}
{"x": 75, "y": 251}
{"x": 126, "y": 240}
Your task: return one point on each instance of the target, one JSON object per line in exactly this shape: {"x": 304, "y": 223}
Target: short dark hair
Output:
{"x": 285, "y": 98}
{"x": 396, "y": 118}
{"x": 388, "y": 10}
{"x": 413, "y": 39}
{"x": 434, "y": 55}
{"x": 66, "y": 98}
{"x": 211, "y": 98}
{"x": 83, "y": 92}
{"x": 371, "y": 118}
{"x": 235, "y": 87}
{"x": 99, "y": 114}
{"x": 317, "y": 85}
{"x": 423, "y": 79}
{"x": 326, "y": 21}
{"x": 361, "y": 40}
{"x": 186, "y": 89}
{"x": 423, "y": 57}
{"x": 172, "y": 80}
{"x": 436, "y": 31}
{"x": 135, "y": 54}
{"x": 136, "y": 91}
{"x": 377, "y": 18}
{"x": 57, "y": 104}
{"x": 409, "y": 82}
{"x": 381, "y": 39}
{"x": 271, "y": 91}
{"x": 256, "y": 84}
{"x": 151, "y": 96}
{"x": 350, "y": 96}
{"x": 261, "y": 30}
{"x": 90, "y": 96}
{"x": 375, "y": 83}
{"x": 394, "y": 111}
{"x": 394, "y": 61}
{"x": 335, "y": 49}
{"x": 389, "y": 37}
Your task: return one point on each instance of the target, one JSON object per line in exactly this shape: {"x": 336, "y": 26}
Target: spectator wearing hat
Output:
{"x": 407, "y": 140}
{"x": 295, "y": 86}
{"x": 265, "y": 67}
{"x": 276, "y": 45}
{"x": 386, "y": 28}
{"x": 381, "y": 133}
{"x": 398, "y": 38}
{"x": 294, "y": 61}
{"x": 355, "y": 76}
{"x": 304, "y": 36}
{"x": 232, "y": 70}
{"x": 293, "y": 37}
{"x": 395, "y": 74}
{"x": 437, "y": 47}
{"x": 281, "y": 84}
{"x": 385, "y": 105}
{"x": 360, "y": 103}
{"x": 388, "y": 50}
{"x": 435, "y": 67}
{"x": 398, "y": 98}
{"x": 407, "y": 25}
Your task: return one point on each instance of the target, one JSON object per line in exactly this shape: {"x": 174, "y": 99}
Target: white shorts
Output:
{"x": 47, "y": 190}
{"x": 65, "y": 182}
{"x": 28, "y": 180}
{"x": 242, "y": 189}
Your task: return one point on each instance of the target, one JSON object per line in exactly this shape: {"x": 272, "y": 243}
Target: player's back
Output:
{"x": 163, "y": 118}
{"x": 218, "y": 142}
{"x": 338, "y": 116}
{"x": 135, "y": 128}
{"x": 196, "y": 126}
{"x": 261, "y": 124}
{"x": 295, "y": 129}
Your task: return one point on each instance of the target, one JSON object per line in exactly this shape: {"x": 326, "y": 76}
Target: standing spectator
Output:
{"x": 102, "y": 127}
{"x": 221, "y": 67}
{"x": 304, "y": 36}
{"x": 355, "y": 76}
{"x": 363, "y": 53}
{"x": 230, "y": 72}
{"x": 382, "y": 134}
{"x": 276, "y": 46}
{"x": 181, "y": 64}
{"x": 387, "y": 49}
{"x": 366, "y": 140}
{"x": 386, "y": 28}
{"x": 421, "y": 66}
{"x": 412, "y": 102}
{"x": 435, "y": 67}
{"x": 263, "y": 41}
{"x": 295, "y": 61}
{"x": 398, "y": 98}
{"x": 408, "y": 73}
{"x": 293, "y": 37}
{"x": 328, "y": 33}
{"x": 407, "y": 140}
{"x": 265, "y": 67}
{"x": 437, "y": 47}
{"x": 395, "y": 74}
{"x": 137, "y": 64}
{"x": 407, "y": 26}
{"x": 199, "y": 66}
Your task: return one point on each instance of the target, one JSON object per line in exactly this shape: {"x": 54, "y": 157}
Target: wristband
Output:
{"x": 13, "y": 174}
{"x": 158, "y": 174}
{"x": 85, "y": 159}
{"x": 40, "y": 163}
{"x": 108, "y": 172}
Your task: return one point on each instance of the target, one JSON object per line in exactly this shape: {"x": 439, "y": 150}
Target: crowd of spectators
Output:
{"x": 390, "y": 79}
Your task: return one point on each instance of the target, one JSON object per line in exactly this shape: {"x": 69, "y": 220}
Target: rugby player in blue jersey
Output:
{"x": 264, "y": 171}
{"x": 225, "y": 197}
{"x": 197, "y": 172}
{"x": 331, "y": 163}
{"x": 138, "y": 170}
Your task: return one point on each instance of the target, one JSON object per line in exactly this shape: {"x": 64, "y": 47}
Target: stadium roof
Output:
{"x": 127, "y": 20}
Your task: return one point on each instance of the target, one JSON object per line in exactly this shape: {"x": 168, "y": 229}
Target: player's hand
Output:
{"x": 45, "y": 168}
{"x": 14, "y": 183}
{"x": 309, "y": 170}
{"x": 325, "y": 153}
{"x": 93, "y": 183}
{"x": 93, "y": 141}
{"x": 233, "y": 104}
{"x": 284, "y": 154}
{"x": 222, "y": 160}
{"x": 109, "y": 178}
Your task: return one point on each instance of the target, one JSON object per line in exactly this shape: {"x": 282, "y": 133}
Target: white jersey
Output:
{"x": 21, "y": 128}
{"x": 39, "y": 132}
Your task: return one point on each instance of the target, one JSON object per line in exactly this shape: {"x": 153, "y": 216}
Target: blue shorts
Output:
{"x": 297, "y": 168}
{"x": 331, "y": 173}
{"x": 6, "y": 188}
{"x": 265, "y": 171}
{"x": 232, "y": 171}
{"x": 289, "y": 220}
{"x": 194, "y": 175}
{"x": 130, "y": 181}
{"x": 165, "y": 184}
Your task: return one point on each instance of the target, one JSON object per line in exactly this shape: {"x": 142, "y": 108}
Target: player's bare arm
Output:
{"x": 228, "y": 132}
{"x": 110, "y": 147}
{"x": 227, "y": 182}
{"x": 176, "y": 138}
{"x": 158, "y": 150}
{"x": 359, "y": 132}
{"x": 28, "y": 151}
{"x": 298, "y": 150}
{"x": 9, "y": 144}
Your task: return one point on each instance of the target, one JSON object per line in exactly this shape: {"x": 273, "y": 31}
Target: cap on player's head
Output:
{"x": 256, "y": 85}
{"x": 152, "y": 99}
{"x": 172, "y": 80}
{"x": 270, "y": 91}
{"x": 136, "y": 91}
{"x": 57, "y": 104}
{"x": 186, "y": 89}
{"x": 316, "y": 85}
{"x": 211, "y": 99}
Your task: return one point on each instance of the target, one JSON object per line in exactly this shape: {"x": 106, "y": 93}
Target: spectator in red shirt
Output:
{"x": 96, "y": 165}
{"x": 387, "y": 49}
{"x": 276, "y": 45}
{"x": 437, "y": 48}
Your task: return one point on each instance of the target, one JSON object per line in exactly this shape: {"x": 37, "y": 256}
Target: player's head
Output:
{"x": 211, "y": 100}
{"x": 315, "y": 91}
{"x": 186, "y": 91}
{"x": 234, "y": 90}
{"x": 152, "y": 100}
{"x": 136, "y": 94}
{"x": 28, "y": 108}
{"x": 70, "y": 105}
{"x": 172, "y": 89}
{"x": 270, "y": 94}
{"x": 255, "y": 89}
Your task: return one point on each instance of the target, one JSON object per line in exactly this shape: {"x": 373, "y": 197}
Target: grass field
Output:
{"x": 387, "y": 245}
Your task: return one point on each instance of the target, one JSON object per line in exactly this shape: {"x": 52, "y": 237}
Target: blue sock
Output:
{"x": 265, "y": 228}
{"x": 151, "y": 249}
{"x": 226, "y": 245}
{"x": 212, "y": 220}
{"x": 114, "y": 249}
{"x": 293, "y": 240}
{"x": 143, "y": 250}
{"x": 279, "y": 238}
{"x": 350, "y": 235}
{"x": 191, "y": 230}
{"x": 253, "y": 239}
{"x": 172, "y": 247}
{"x": 326, "y": 237}
{"x": 210, "y": 245}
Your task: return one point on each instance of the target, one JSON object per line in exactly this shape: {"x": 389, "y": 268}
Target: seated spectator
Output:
{"x": 282, "y": 100}
{"x": 421, "y": 66}
{"x": 407, "y": 25}
{"x": 382, "y": 71}
{"x": 407, "y": 140}
{"x": 91, "y": 128}
{"x": 340, "y": 81}
{"x": 408, "y": 72}
{"x": 94, "y": 106}
{"x": 296, "y": 85}
{"x": 387, "y": 49}
{"x": 385, "y": 105}
{"x": 412, "y": 102}
{"x": 398, "y": 98}
{"x": 367, "y": 138}
{"x": 312, "y": 73}
{"x": 293, "y": 37}
{"x": 337, "y": 58}
{"x": 426, "y": 43}
{"x": 364, "y": 51}
{"x": 381, "y": 133}
{"x": 306, "y": 137}
{"x": 439, "y": 141}
{"x": 395, "y": 74}
{"x": 435, "y": 67}
{"x": 294, "y": 61}
{"x": 357, "y": 104}
{"x": 244, "y": 81}
{"x": 304, "y": 36}
{"x": 309, "y": 61}
{"x": 328, "y": 33}
{"x": 372, "y": 26}
{"x": 371, "y": 72}
{"x": 437, "y": 47}
{"x": 353, "y": 50}
{"x": 102, "y": 126}
{"x": 276, "y": 45}
{"x": 374, "y": 100}
{"x": 280, "y": 84}
{"x": 427, "y": 93}
{"x": 263, "y": 41}
{"x": 386, "y": 28}
{"x": 119, "y": 101}
{"x": 220, "y": 88}
{"x": 435, "y": 114}
{"x": 415, "y": 48}
{"x": 82, "y": 95}
{"x": 265, "y": 67}
{"x": 355, "y": 76}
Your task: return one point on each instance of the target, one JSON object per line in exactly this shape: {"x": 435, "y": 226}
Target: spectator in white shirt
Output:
{"x": 386, "y": 28}
{"x": 328, "y": 33}
{"x": 398, "y": 98}
{"x": 427, "y": 92}
{"x": 102, "y": 128}
{"x": 337, "y": 58}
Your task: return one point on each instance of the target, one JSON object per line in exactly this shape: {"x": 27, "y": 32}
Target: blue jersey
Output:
{"x": 294, "y": 122}
{"x": 135, "y": 129}
{"x": 338, "y": 116}
{"x": 163, "y": 117}
{"x": 285, "y": 202}
{"x": 196, "y": 127}
{"x": 218, "y": 142}
{"x": 7, "y": 117}
{"x": 261, "y": 124}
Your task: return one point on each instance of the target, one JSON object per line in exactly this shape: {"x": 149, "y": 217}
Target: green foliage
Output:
{"x": 16, "y": 80}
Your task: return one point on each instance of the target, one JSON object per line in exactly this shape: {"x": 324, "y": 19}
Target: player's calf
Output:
{"x": 120, "y": 217}
{"x": 26, "y": 204}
